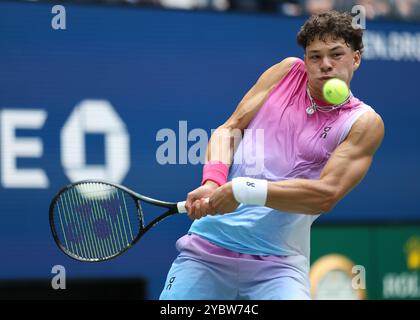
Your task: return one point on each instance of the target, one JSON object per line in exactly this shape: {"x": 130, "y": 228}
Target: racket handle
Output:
{"x": 181, "y": 206}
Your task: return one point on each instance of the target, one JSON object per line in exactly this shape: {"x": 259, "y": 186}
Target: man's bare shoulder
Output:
{"x": 283, "y": 65}
{"x": 368, "y": 131}
{"x": 276, "y": 72}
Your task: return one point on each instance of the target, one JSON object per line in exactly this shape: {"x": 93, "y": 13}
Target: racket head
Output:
{"x": 95, "y": 221}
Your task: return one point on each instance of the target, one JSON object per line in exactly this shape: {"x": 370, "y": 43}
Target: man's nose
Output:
{"x": 326, "y": 65}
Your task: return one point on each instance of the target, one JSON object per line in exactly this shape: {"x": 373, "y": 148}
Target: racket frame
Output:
{"x": 171, "y": 206}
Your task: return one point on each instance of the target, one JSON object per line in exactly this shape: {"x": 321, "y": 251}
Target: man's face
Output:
{"x": 329, "y": 59}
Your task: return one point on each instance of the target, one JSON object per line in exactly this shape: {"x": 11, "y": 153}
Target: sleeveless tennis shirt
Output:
{"x": 294, "y": 145}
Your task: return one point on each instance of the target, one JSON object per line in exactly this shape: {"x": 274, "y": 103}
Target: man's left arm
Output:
{"x": 346, "y": 167}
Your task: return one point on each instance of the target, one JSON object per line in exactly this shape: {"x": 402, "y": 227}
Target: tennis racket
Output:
{"x": 95, "y": 220}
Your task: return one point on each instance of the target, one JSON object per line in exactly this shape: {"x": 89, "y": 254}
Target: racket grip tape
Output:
{"x": 181, "y": 206}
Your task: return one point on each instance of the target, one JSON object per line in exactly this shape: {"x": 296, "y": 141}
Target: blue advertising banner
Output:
{"x": 109, "y": 95}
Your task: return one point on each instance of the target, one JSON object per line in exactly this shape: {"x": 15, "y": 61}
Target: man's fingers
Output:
{"x": 192, "y": 197}
{"x": 199, "y": 209}
{"x": 194, "y": 212}
{"x": 189, "y": 201}
{"x": 210, "y": 208}
{"x": 197, "y": 205}
{"x": 212, "y": 205}
{"x": 204, "y": 207}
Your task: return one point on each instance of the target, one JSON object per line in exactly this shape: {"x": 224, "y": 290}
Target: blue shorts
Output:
{"x": 205, "y": 271}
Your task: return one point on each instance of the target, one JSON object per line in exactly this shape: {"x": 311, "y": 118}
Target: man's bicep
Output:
{"x": 343, "y": 172}
{"x": 351, "y": 160}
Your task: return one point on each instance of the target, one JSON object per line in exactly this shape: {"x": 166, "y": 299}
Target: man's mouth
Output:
{"x": 326, "y": 77}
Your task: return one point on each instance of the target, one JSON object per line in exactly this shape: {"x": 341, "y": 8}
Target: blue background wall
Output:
{"x": 157, "y": 68}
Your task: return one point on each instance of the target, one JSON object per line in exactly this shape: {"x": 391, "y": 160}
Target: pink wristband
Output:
{"x": 215, "y": 171}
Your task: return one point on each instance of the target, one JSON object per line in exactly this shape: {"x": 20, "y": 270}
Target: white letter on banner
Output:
{"x": 13, "y": 147}
{"x": 95, "y": 116}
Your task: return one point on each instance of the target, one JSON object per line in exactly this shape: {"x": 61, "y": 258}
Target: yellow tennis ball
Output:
{"x": 335, "y": 91}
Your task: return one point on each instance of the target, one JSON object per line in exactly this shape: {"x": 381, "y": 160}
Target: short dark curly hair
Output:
{"x": 331, "y": 23}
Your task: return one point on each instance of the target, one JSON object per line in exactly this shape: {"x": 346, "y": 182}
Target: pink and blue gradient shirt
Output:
{"x": 294, "y": 145}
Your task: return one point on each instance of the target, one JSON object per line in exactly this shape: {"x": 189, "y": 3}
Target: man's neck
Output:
{"x": 317, "y": 96}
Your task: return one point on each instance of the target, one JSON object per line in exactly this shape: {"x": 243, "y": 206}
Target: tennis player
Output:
{"x": 251, "y": 239}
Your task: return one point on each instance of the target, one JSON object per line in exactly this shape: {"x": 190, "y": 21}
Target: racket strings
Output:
{"x": 95, "y": 221}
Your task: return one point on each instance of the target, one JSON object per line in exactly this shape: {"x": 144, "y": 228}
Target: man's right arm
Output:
{"x": 225, "y": 138}
{"x": 221, "y": 146}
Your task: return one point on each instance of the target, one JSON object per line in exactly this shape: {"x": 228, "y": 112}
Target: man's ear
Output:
{"x": 357, "y": 59}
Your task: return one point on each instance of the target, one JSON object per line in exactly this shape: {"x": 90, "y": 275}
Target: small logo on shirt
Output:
{"x": 250, "y": 184}
{"x": 171, "y": 281}
{"x": 325, "y": 133}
